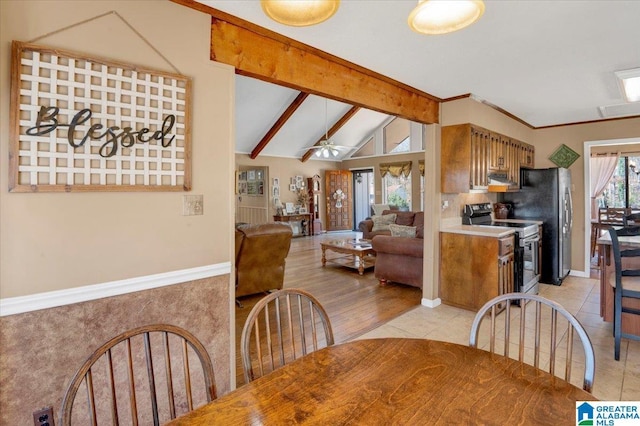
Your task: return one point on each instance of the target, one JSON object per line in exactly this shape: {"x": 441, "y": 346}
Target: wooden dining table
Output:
{"x": 397, "y": 381}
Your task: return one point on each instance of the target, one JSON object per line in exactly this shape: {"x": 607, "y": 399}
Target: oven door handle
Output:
{"x": 532, "y": 239}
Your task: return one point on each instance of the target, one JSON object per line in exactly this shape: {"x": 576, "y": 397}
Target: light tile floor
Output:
{"x": 615, "y": 380}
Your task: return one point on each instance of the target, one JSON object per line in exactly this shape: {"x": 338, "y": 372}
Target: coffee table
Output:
{"x": 360, "y": 254}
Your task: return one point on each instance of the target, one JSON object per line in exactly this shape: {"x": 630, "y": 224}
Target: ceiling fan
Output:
{"x": 326, "y": 147}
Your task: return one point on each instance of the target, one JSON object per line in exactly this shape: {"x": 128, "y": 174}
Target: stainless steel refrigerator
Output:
{"x": 545, "y": 194}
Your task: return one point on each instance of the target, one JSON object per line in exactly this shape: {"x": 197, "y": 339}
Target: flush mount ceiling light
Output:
{"x": 300, "y": 13}
{"x": 444, "y": 16}
{"x": 629, "y": 82}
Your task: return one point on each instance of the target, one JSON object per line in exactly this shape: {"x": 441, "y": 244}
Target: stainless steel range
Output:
{"x": 527, "y": 243}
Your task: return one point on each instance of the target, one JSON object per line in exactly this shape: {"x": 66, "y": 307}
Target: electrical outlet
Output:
{"x": 43, "y": 417}
{"x": 192, "y": 205}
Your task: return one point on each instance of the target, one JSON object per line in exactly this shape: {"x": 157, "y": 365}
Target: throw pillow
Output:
{"x": 381, "y": 223}
{"x": 402, "y": 231}
{"x": 379, "y": 208}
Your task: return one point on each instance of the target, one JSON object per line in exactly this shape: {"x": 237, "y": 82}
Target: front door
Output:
{"x": 339, "y": 200}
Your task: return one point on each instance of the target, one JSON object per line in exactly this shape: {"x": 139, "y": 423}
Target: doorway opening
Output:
{"x": 363, "y": 195}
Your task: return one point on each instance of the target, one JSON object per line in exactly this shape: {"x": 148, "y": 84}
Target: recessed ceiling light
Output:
{"x": 629, "y": 82}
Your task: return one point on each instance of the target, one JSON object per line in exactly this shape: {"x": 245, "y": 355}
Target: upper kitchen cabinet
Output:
{"x": 464, "y": 155}
{"x": 473, "y": 158}
{"x": 527, "y": 156}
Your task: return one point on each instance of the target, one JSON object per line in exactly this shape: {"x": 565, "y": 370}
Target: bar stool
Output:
{"x": 626, "y": 283}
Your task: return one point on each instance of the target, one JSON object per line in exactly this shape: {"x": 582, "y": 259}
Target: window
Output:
{"x": 396, "y": 184}
{"x": 396, "y": 136}
{"x": 396, "y": 191}
{"x": 623, "y": 190}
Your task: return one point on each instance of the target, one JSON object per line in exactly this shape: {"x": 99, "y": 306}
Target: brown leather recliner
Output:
{"x": 260, "y": 257}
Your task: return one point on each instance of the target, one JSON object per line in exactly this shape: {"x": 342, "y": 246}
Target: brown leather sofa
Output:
{"x": 402, "y": 218}
{"x": 399, "y": 259}
{"x": 260, "y": 257}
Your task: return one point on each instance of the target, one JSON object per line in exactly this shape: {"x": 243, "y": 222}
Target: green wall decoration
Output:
{"x": 564, "y": 156}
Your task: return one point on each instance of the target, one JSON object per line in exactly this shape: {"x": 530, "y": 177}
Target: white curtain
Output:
{"x": 602, "y": 168}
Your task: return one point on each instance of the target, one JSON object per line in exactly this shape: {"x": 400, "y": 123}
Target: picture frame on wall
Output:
{"x": 87, "y": 93}
{"x": 259, "y": 175}
{"x": 276, "y": 182}
{"x": 292, "y": 187}
{"x": 251, "y": 175}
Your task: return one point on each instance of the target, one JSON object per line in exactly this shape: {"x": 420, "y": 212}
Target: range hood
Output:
{"x": 499, "y": 181}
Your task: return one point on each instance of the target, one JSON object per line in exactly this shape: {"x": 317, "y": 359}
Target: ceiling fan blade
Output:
{"x": 311, "y": 147}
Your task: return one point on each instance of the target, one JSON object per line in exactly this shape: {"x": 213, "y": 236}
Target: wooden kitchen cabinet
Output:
{"x": 474, "y": 269}
{"x": 465, "y": 153}
{"x": 527, "y": 154}
{"x": 469, "y": 153}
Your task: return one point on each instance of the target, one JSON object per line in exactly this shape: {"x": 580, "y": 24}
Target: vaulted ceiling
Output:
{"x": 545, "y": 62}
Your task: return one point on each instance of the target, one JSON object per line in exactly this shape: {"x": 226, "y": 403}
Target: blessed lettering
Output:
{"x": 113, "y": 136}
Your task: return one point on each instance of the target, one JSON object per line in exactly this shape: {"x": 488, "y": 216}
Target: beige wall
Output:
{"x": 53, "y": 241}
{"x": 62, "y": 241}
{"x": 468, "y": 110}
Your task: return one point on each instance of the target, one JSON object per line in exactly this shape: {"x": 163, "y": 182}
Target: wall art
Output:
{"x": 83, "y": 123}
{"x": 564, "y": 156}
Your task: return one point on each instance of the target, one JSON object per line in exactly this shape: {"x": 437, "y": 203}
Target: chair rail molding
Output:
{"x": 52, "y": 299}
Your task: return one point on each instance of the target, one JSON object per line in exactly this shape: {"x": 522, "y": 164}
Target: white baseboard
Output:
{"x": 581, "y": 274}
{"x": 52, "y": 299}
{"x": 429, "y": 303}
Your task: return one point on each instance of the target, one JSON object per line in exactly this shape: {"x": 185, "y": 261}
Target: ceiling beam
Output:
{"x": 332, "y": 131}
{"x": 278, "y": 124}
{"x": 260, "y": 53}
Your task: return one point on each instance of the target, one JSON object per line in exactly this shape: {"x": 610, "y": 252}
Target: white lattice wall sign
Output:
{"x": 87, "y": 124}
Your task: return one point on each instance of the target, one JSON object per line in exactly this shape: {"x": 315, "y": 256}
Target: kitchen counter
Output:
{"x": 482, "y": 231}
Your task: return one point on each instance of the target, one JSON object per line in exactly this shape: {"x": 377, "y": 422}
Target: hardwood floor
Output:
{"x": 355, "y": 304}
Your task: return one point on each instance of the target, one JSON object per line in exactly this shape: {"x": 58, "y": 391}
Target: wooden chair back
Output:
{"x": 282, "y": 327}
{"x": 613, "y": 216}
{"x": 626, "y": 283}
{"x": 544, "y": 329}
{"x": 139, "y": 366}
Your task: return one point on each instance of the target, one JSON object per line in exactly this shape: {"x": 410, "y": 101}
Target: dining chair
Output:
{"x": 282, "y": 327}
{"x": 542, "y": 324}
{"x": 121, "y": 374}
{"x": 632, "y": 219}
{"x": 625, "y": 283}
{"x": 607, "y": 217}
{"x": 613, "y": 215}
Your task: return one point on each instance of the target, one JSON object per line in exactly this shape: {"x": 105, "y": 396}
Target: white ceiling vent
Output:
{"x": 620, "y": 110}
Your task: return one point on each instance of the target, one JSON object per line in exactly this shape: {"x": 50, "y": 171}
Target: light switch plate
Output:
{"x": 192, "y": 205}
